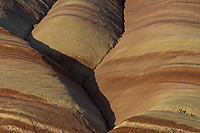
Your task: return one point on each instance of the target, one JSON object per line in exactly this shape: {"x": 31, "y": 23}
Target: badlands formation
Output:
{"x": 79, "y": 33}
{"x": 100, "y": 66}
{"x": 40, "y": 96}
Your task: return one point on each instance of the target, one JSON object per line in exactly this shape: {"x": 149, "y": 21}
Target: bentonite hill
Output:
{"x": 97, "y": 66}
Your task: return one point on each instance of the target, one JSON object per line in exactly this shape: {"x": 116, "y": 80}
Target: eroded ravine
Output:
{"x": 109, "y": 28}
{"x": 153, "y": 70}
{"x": 38, "y": 85}
{"x": 89, "y": 31}
{"x": 148, "y": 83}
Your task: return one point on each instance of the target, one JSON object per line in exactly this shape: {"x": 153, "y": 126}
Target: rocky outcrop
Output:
{"x": 78, "y": 34}
{"x": 19, "y": 16}
{"x": 40, "y": 96}
{"x": 154, "y": 69}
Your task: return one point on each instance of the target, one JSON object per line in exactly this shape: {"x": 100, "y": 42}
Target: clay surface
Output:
{"x": 77, "y": 72}
{"x": 79, "y": 33}
{"x": 20, "y": 16}
{"x": 31, "y": 78}
{"x": 155, "y": 65}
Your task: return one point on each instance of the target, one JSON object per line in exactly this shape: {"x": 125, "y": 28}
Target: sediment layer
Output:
{"x": 155, "y": 65}
{"x": 33, "y": 83}
{"x": 78, "y": 34}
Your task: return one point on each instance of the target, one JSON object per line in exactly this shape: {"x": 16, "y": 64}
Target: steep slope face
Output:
{"x": 79, "y": 33}
{"x": 37, "y": 96}
{"x": 154, "y": 69}
{"x": 19, "y": 16}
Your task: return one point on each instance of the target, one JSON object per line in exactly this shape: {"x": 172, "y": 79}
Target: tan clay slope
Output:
{"x": 78, "y": 34}
{"x": 44, "y": 97}
{"x": 161, "y": 124}
{"x": 22, "y": 115}
{"x": 155, "y": 65}
{"x": 19, "y": 16}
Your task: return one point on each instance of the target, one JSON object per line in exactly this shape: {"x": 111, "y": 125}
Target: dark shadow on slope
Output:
{"x": 20, "y": 17}
{"x": 123, "y": 3}
{"x": 80, "y": 73}
{"x": 92, "y": 88}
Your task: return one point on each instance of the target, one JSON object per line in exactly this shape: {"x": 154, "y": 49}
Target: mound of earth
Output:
{"x": 36, "y": 91}
{"x": 78, "y": 34}
{"x": 70, "y": 76}
{"x": 154, "y": 66}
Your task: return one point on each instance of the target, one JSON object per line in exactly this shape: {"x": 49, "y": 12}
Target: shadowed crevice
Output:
{"x": 83, "y": 74}
{"x": 80, "y": 73}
